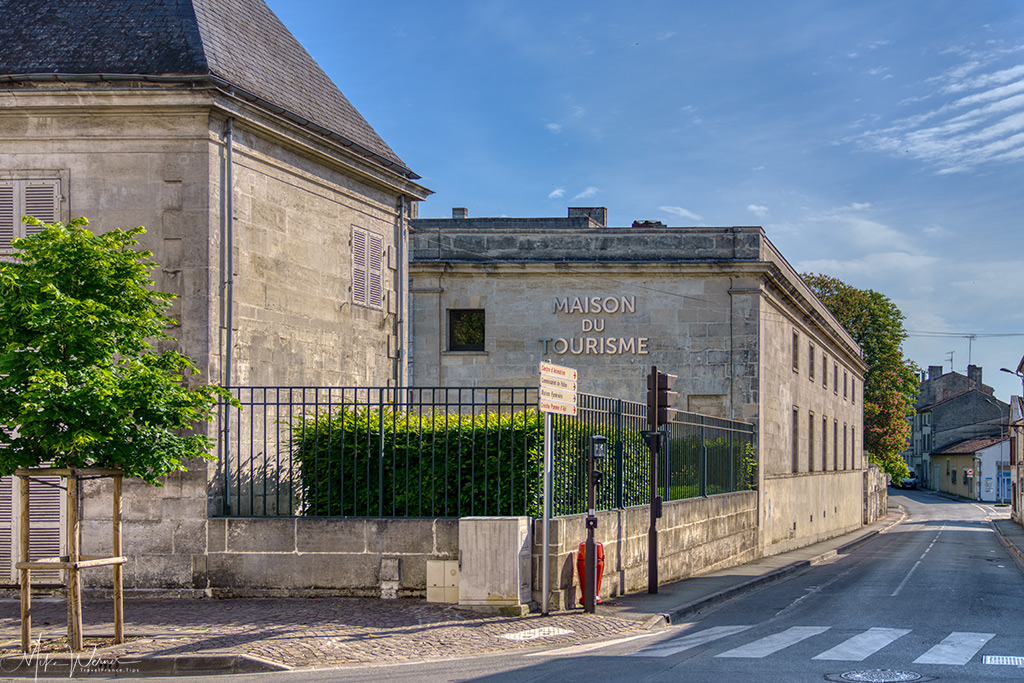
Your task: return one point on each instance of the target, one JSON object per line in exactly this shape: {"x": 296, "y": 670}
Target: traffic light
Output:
{"x": 660, "y": 398}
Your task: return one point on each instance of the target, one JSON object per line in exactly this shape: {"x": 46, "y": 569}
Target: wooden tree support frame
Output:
{"x": 74, "y": 561}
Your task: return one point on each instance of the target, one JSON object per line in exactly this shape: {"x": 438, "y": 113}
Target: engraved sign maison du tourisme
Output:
{"x": 557, "y": 389}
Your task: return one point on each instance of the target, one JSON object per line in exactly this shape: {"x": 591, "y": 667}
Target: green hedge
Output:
{"x": 442, "y": 465}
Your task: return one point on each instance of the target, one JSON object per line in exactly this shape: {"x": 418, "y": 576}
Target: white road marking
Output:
{"x": 959, "y": 647}
{"x": 580, "y": 649}
{"x": 861, "y": 646}
{"x": 775, "y": 642}
{"x": 687, "y": 642}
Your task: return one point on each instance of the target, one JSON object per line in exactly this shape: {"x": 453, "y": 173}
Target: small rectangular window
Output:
{"x": 466, "y": 329}
{"x": 846, "y": 382}
{"x": 824, "y": 371}
{"x": 853, "y": 391}
{"x": 796, "y": 352}
{"x": 810, "y": 357}
{"x": 835, "y": 378}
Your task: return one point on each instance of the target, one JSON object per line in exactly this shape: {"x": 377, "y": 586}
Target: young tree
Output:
{"x": 890, "y": 384}
{"x": 80, "y": 383}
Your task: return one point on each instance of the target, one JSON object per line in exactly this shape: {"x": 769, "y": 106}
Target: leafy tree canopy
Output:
{"x": 890, "y": 384}
{"x": 80, "y": 383}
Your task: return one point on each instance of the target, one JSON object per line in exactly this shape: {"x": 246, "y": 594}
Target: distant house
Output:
{"x": 951, "y": 408}
{"x": 276, "y": 212}
{"x": 976, "y": 468}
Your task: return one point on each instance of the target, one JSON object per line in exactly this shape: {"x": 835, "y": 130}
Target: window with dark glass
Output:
{"x": 466, "y": 330}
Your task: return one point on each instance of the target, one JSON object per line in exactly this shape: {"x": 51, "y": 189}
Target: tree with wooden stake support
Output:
{"x": 82, "y": 390}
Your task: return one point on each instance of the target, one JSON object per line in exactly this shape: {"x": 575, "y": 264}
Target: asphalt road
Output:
{"x": 935, "y": 598}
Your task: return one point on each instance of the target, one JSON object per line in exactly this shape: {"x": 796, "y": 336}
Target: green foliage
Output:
{"x": 443, "y": 465}
{"x": 80, "y": 384}
{"x": 890, "y": 385}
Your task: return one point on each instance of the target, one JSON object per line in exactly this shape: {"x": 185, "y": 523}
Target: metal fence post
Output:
{"x": 619, "y": 468}
{"x": 703, "y": 460}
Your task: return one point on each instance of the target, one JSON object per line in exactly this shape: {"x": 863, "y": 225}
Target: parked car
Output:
{"x": 909, "y": 482}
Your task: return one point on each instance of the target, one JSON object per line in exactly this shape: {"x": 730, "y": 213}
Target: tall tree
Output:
{"x": 890, "y": 384}
{"x": 80, "y": 384}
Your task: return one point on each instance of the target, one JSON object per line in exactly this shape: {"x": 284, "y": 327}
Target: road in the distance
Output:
{"x": 936, "y": 596}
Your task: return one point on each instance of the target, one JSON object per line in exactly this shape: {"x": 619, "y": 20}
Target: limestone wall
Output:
{"x": 694, "y": 536}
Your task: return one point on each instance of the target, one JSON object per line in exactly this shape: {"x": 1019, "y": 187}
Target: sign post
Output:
{"x": 557, "y": 395}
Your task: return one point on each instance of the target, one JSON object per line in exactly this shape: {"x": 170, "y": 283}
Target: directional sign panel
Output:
{"x": 552, "y": 370}
{"x": 557, "y": 389}
{"x": 555, "y": 407}
{"x": 549, "y": 394}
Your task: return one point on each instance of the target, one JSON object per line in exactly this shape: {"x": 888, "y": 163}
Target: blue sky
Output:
{"x": 875, "y": 141}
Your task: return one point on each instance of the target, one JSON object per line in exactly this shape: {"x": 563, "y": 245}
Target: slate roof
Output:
{"x": 240, "y": 42}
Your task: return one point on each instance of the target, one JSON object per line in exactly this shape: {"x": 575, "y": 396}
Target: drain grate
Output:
{"x": 1003, "y": 660}
{"x": 881, "y": 676}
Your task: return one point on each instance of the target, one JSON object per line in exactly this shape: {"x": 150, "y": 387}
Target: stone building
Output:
{"x": 718, "y": 307}
{"x": 950, "y": 408}
{"x": 276, "y": 212}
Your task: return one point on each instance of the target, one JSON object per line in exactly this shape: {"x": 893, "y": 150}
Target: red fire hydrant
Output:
{"x": 581, "y": 559}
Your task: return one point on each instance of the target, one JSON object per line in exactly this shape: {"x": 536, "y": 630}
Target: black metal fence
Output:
{"x": 453, "y": 452}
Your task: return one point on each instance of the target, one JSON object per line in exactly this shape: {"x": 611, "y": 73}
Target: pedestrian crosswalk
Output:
{"x": 957, "y": 649}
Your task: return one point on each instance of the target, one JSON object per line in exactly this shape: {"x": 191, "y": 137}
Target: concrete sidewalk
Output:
{"x": 207, "y": 636}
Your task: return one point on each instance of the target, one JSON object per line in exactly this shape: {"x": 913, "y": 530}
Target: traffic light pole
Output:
{"x": 659, "y": 412}
{"x": 654, "y": 443}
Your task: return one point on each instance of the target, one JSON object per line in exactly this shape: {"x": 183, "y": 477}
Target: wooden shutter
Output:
{"x": 375, "y": 274}
{"x": 37, "y": 197}
{"x": 42, "y": 201}
{"x": 7, "y": 533}
{"x": 45, "y": 524}
{"x": 8, "y": 213}
{"x": 359, "y": 267}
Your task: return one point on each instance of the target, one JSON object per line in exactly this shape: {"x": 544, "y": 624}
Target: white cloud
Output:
{"x": 587, "y": 193}
{"x": 758, "y": 210}
{"x": 982, "y": 124}
{"x": 554, "y": 127}
{"x": 557, "y": 193}
{"x": 681, "y": 212}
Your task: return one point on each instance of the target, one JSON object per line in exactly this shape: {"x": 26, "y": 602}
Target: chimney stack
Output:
{"x": 974, "y": 372}
{"x": 460, "y": 212}
{"x": 934, "y": 372}
{"x": 597, "y": 214}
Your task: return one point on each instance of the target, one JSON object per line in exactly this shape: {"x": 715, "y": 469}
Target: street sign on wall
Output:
{"x": 557, "y": 389}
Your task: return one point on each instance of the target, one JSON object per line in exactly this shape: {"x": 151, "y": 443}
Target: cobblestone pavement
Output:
{"x": 301, "y": 632}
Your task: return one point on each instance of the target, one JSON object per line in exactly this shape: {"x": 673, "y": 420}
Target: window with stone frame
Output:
{"x": 367, "y": 269}
{"x": 810, "y": 442}
{"x": 19, "y": 197}
{"x": 796, "y": 351}
{"x": 795, "y": 455}
{"x": 466, "y": 329}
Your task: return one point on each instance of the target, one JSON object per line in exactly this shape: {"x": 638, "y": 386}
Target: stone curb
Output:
{"x": 87, "y": 665}
{"x": 1017, "y": 554}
